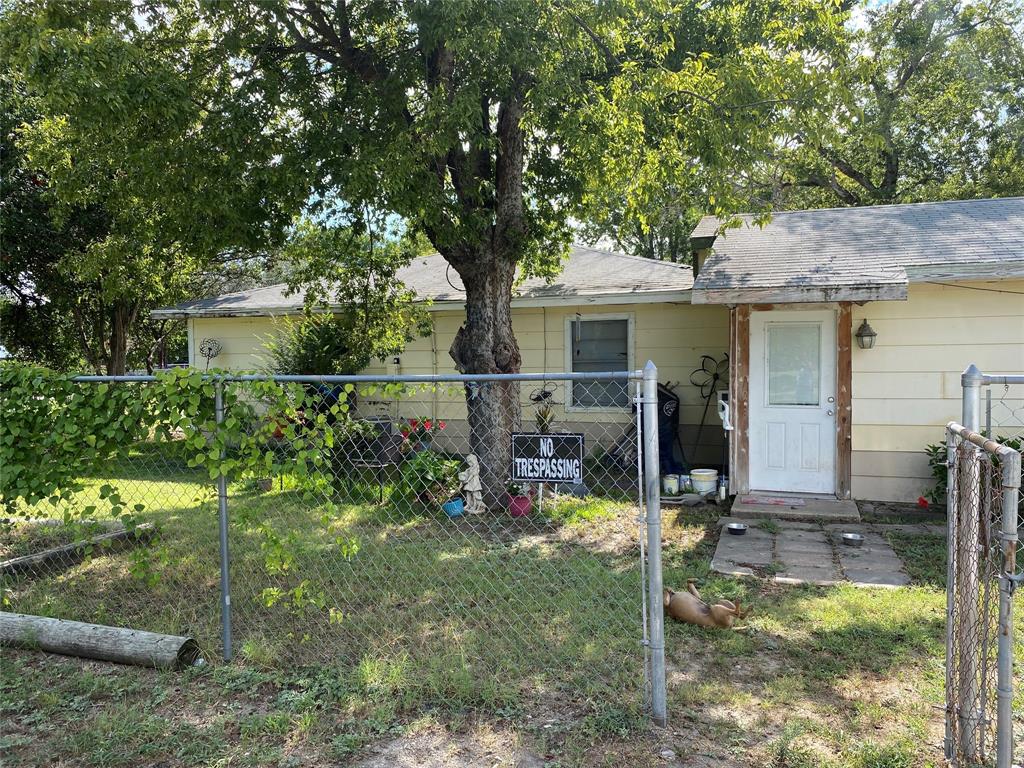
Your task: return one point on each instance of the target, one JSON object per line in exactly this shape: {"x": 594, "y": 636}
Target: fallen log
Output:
{"x": 71, "y": 554}
{"x": 95, "y": 641}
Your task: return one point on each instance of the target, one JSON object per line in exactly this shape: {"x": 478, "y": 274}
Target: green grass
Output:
{"x": 359, "y": 623}
{"x": 924, "y": 557}
{"x": 23, "y": 537}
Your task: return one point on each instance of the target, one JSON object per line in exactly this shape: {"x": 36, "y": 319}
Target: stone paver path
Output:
{"x": 812, "y": 553}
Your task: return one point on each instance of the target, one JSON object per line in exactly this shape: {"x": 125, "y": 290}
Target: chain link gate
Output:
{"x": 983, "y": 506}
{"x": 341, "y": 547}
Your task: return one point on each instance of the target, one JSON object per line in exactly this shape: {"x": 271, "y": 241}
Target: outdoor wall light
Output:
{"x": 865, "y": 336}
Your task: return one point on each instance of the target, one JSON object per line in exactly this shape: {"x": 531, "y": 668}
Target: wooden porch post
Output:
{"x": 844, "y": 401}
{"x": 739, "y": 394}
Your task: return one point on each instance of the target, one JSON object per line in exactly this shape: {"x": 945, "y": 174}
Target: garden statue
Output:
{"x": 690, "y": 607}
{"x": 472, "y": 490}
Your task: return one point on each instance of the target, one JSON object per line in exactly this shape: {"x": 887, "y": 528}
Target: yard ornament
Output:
{"x": 472, "y": 490}
{"x": 691, "y": 608}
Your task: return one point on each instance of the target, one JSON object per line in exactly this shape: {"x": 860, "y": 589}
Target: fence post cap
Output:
{"x": 972, "y": 375}
{"x": 650, "y": 368}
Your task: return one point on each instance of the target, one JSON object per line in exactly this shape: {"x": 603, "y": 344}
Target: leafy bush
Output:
{"x": 323, "y": 344}
{"x": 429, "y": 475}
{"x": 937, "y": 464}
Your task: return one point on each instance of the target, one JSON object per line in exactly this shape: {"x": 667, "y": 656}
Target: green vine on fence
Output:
{"x": 56, "y": 433}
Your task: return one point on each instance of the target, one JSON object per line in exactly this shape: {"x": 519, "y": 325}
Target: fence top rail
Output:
{"x": 973, "y": 376}
{"x": 1010, "y": 458}
{"x": 444, "y": 378}
{"x": 1004, "y": 378}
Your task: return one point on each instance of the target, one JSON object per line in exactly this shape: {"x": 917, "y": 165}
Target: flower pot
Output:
{"x": 453, "y": 508}
{"x": 519, "y": 506}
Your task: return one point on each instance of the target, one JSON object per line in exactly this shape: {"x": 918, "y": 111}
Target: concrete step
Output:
{"x": 785, "y": 507}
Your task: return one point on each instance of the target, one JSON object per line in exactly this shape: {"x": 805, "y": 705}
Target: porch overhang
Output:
{"x": 800, "y": 293}
{"x": 751, "y": 278}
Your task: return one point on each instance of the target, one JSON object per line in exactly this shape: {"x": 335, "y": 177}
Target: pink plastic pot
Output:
{"x": 519, "y": 506}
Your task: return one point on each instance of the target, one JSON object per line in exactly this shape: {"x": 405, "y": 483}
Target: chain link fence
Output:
{"x": 1004, "y": 413}
{"x": 380, "y": 524}
{"x": 983, "y": 506}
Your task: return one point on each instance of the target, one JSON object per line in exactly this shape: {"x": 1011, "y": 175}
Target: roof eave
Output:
{"x": 628, "y": 297}
{"x": 999, "y": 270}
{"x": 800, "y": 294}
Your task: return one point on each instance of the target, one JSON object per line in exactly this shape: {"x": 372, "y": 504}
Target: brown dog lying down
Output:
{"x": 689, "y": 607}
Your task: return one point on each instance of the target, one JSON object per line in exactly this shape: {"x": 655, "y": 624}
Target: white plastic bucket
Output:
{"x": 704, "y": 480}
{"x": 670, "y": 485}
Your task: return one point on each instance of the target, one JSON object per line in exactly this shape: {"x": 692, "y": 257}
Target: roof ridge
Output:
{"x": 922, "y": 204}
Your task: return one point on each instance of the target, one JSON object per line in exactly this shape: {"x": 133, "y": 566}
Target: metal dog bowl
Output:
{"x": 736, "y": 529}
{"x": 853, "y": 539}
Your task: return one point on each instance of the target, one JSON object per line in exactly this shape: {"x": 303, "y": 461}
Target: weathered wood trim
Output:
{"x": 800, "y": 294}
{"x": 844, "y": 400}
{"x": 733, "y": 407}
{"x": 784, "y": 307}
{"x": 739, "y": 395}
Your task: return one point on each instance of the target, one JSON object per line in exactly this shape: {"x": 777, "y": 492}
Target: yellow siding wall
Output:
{"x": 674, "y": 336}
{"x": 241, "y": 340}
{"x": 908, "y": 387}
{"x": 904, "y": 390}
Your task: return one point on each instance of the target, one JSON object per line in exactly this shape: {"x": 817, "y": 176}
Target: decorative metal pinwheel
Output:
{"x": 209, "y": 349}
{"x": 709, "y": 378}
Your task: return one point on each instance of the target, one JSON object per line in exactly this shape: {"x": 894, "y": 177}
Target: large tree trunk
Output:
{"x": 487, "y": 344}
{"x": 122, "y": 317}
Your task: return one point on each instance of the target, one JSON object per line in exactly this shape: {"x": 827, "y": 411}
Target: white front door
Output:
{"x": 793, "y": 401}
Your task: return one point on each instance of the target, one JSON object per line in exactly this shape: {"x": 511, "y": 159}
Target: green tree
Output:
{"x": 357, "y": 308}
{"x": 488, "y": 127}
{"x": 139, "y": 204}
{"x": 928, "y": 105}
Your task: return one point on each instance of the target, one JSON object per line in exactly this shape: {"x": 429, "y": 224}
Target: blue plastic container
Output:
{"x": 453, "y": 508}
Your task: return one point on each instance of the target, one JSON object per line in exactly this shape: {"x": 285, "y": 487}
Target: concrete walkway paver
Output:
{"x": 811, "y": 553}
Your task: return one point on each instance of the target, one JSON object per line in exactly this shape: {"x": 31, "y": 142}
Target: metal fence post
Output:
{"x": 222, "y": 514}
{"x": 970, "y": 382}
{"x": 952, "y": 497}
{"x": 655, "y": 595}
{"x": 1011, "y": 468}
{"x": 967, "y": 533}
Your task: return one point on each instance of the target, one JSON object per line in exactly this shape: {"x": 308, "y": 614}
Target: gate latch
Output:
{"x": 1015, "y": 580}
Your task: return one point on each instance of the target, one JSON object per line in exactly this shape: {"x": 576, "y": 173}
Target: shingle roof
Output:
{"x": 861, "y": 253}
{"x": 588, "y": 273}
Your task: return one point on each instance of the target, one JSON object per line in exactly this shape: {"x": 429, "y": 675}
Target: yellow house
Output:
{"x": 942, "y": 285}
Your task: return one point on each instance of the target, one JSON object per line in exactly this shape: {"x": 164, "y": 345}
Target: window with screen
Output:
{"x": 599, "y": 345}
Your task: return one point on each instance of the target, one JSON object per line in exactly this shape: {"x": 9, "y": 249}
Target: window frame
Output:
{"x": 572, "y": 317}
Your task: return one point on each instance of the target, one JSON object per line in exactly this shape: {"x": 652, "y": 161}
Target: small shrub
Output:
{"x": 430, "y": 476}
{"x": 937, "y": 465}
